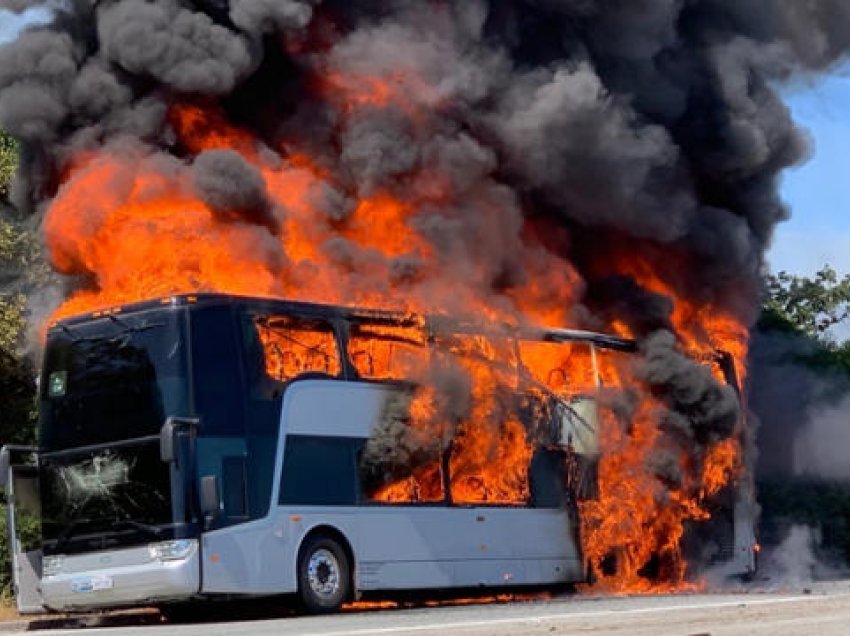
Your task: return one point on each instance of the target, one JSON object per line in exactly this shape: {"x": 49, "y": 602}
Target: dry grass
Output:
{"x": 8, "y": 611}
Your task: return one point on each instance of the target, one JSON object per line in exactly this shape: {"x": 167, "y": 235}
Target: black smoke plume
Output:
{"x": 657, "y": 121}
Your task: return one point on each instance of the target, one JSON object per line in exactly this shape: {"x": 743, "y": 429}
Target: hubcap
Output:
{"x": 323, "y": 573}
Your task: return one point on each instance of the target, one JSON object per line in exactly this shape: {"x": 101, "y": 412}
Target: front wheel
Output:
{"x": 324, "y": 575}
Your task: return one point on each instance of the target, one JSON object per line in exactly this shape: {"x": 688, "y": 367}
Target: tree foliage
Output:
{"x": 18, "y": 252}
{"x": 21, "y": 268}
{"x": 810, "y": 305}
{"x": 17, "y": 385}
{"x": 19, "y": 261}
{"x": 8, "y": 162}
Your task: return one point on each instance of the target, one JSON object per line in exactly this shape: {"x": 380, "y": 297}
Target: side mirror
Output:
{"x": 168, "y": 434}
{"x": 210, "y": 501}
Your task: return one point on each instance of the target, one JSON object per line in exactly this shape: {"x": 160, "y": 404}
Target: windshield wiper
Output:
{"x": 66, "y": 535}
{"x": 128, "y": 328}
{"x": 73, "y": 528}
{"x": 67, "y": 330}
{"x": 153, "y": 531}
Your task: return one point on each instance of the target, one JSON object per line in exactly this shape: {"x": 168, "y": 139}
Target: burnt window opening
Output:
{"x": 402, "y": 461}
{"x": 293, "y": 346}
{"x": 564, "y": 368}
{"x": 416, "y": 456}
{"x": 491, "y": 356}
{"x": 381, "y": 352}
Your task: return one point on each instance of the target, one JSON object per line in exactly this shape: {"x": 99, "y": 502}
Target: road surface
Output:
{"x": 821, "y": 610}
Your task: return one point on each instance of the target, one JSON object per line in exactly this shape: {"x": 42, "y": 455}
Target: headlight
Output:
{"x": 171, "y": 550}
{"x": 52, "y": 565}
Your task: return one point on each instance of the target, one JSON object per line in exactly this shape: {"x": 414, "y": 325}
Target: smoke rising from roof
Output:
{"x": 655, "y": 119}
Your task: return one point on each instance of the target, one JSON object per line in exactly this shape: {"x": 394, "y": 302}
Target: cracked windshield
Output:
{"x": 108, "y": 386}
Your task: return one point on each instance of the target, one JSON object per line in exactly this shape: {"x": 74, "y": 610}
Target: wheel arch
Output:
{"x": 336, "y": 534}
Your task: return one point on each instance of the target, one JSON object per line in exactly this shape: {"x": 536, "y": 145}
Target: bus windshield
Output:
{"x": 113, "y": 379}
{"x": 108, "y": 386}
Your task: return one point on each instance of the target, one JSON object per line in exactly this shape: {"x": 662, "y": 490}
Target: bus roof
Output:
{"x": 431, "y": 323}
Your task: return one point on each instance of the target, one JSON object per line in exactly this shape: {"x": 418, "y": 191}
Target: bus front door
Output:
{"x": 20, "y": 479}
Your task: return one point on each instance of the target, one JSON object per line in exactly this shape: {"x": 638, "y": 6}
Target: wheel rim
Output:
{"x": 323, "y": 573}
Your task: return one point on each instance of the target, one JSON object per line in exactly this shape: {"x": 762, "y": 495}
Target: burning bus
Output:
{"x": 215, "y": 446}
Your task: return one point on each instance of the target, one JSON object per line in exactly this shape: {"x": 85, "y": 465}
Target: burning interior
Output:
{"x": 487, "y": 410}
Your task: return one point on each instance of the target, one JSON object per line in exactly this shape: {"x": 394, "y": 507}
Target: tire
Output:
{"x": 324, "y": 575}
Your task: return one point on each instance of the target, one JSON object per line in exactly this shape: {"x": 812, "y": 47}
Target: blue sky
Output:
{"x": 818, "y": 192}
{"x": 11, "y": 23}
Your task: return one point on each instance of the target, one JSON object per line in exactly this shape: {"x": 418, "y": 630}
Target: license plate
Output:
{"x": 86, "y": 584}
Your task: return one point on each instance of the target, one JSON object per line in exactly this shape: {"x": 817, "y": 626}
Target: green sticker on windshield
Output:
{"x": 57, "y": 384}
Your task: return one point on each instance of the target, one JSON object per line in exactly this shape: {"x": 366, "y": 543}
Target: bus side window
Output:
{"x": 401, "y": 461}
{"x": 260, "y": 385}
{"x": 319, "y": 471}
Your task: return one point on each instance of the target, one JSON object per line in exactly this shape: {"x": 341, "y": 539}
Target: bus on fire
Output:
{"x": 214, "y": 446}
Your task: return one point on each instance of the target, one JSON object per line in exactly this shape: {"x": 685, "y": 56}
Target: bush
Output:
{"x": 8, "y": 162}
{"x": 29, "y": 533}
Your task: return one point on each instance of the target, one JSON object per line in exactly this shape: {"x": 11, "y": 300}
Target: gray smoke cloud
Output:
{"x": 183, "y": 49}
{"x": 35, "y": 75}
{"x": 233, "y": 187}
{"x": 821, "y": 442}
{"x": 268, "y": 16}
{"x": 568, "y": 139}
{"x": 788, "y": 392}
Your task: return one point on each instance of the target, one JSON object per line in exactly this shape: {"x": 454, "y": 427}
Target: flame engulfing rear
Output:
{"x": 607, "y": 166}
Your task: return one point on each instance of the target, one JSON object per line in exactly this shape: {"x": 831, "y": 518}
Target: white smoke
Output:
{"x": 794, "y": 561}
{"x": 821, "y": 448}
{"x": 798, "y": 561}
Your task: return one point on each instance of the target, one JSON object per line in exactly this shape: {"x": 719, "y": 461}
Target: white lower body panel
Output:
{"x": 120, "y": 578}
{"x": 399, "y": 547}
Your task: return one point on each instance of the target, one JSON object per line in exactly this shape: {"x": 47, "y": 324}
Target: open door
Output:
{"x": 19, "y": 475}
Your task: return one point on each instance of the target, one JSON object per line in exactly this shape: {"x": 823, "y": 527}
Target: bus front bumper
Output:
{"x": 120, "y": 578}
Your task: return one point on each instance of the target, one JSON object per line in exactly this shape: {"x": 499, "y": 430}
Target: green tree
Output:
{"x": 17, "y": 386}
{"x": 20, "y": 266}
{"x": 810, "y": 305}
{"x": 810, "y": 308}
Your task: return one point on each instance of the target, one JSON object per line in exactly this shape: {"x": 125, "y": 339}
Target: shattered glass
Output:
{"x": 105, "y": 498}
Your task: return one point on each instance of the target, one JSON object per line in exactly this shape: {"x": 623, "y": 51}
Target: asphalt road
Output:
{"x": 822, "y": 610}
